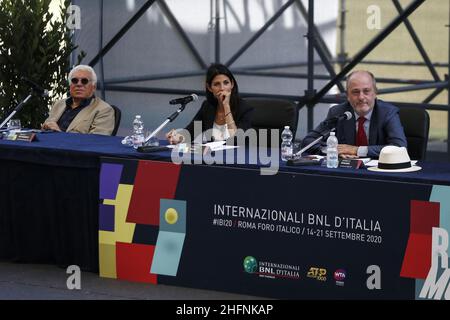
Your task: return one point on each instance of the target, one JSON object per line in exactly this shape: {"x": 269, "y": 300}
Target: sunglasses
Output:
{"x": 84, "y": 81}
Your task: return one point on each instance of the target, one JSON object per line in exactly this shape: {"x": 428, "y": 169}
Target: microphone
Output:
{"x": 38, "y": 89}
{"x": 329, "y": 126}
{"x": 347, "y": 115}
{"x": 184, "y": 100}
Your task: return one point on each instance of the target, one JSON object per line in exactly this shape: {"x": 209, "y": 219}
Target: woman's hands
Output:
{"x": 223, "y": 97}
{"x": 174, "y": 137}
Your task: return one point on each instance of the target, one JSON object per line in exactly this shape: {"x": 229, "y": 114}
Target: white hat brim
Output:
{"x": 410, "y": 169}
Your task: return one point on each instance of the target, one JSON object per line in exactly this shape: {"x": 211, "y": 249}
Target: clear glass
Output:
{"x": 14, "y": 124}
{"x": 138, "y": 140}
{"x": 128, "y": 141}
{"x": 153, "y": 141}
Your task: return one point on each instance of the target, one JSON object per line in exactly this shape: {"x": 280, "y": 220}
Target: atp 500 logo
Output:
{"x": 317, "y": 273}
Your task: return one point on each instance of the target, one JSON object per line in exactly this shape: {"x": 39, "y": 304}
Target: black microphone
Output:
{"x": 347, "y": 115}
{"x": 184, "y": 100}
{"x": 38, "y": 89}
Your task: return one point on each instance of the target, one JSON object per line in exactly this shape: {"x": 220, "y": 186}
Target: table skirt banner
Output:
{"x": 288, "y": 236}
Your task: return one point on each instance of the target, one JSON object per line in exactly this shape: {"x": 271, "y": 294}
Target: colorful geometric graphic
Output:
{"x": 106, "y": 217}
{"x": 417, "y": 259}
{"x": 109, "y": 180}
{"x": 424, "y": 216}
{"x": 172, "y": 231}
{"x": 136, "y": 199}
{"x": 132, "y": 262}
{"x": 153, "y": 181}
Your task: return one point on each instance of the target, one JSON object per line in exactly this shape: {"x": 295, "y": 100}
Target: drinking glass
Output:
{"x": 153, "y": 141}
{"x": 14, "y": 124}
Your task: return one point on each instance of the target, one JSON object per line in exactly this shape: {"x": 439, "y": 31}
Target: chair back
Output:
{"x": 416, "y": 124}
{"x": 270, "y": 114}
{"x": 117, "y": 117}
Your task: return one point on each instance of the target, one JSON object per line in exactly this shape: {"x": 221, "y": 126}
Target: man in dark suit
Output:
{"x": 374, "y": 123}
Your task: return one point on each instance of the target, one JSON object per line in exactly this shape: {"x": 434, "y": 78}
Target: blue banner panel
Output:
{"x": 293, "y": 235}
{"x": 304, "y": 236}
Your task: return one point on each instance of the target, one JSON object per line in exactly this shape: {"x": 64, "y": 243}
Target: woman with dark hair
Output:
{"x": 223, "y": 112}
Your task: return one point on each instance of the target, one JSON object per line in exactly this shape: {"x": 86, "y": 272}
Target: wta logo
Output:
{"x": 339, "y": 276}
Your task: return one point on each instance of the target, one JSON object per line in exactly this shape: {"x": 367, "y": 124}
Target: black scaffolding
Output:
{"x": 311, "y": 96}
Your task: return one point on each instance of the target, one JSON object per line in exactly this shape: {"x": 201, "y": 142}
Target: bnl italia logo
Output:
{"x": 250, "y": 264}
{"x": 426, "y": 256}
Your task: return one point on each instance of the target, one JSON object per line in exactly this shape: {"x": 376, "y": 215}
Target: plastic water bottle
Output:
{"x": 332, "y": 151}
{"x": 286, "y": 144}
{"x": 138, "y": 132}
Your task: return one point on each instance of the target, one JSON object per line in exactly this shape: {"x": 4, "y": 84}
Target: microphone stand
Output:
{"x": 145, "y": 147}
{"x": 297, "y": 157}
{"x": 330, "y": 125}
{"x": 17, "y": 109}
{"x": 169, "y": 119}
{"x": 299, "y": 153}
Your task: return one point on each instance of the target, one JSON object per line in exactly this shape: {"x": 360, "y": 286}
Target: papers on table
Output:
{"x": 218, "y": 145}
{"x": 212, "y": 146}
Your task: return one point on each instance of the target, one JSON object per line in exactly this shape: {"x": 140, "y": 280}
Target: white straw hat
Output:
{"x": 394, "y": 159}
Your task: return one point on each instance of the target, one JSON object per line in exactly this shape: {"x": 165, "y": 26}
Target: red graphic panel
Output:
{"x": 417, "y": 259}
{"x": 133, "y": 262}
{"x": 154, "y": 180}
{"x": 424, "y": 216}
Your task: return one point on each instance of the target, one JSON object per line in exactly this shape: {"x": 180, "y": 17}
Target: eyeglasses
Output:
{"x": 84, "y": 81}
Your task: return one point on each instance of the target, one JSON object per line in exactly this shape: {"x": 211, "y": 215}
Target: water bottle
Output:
{"x": 138, "y": 132}
{"x": 286, "y": 144}
{"x": 332, "y": 151}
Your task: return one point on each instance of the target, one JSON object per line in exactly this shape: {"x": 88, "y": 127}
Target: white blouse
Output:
{"x": 220, "y": 132}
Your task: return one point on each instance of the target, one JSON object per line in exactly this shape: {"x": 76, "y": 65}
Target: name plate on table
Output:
{"x": 148, "y": 149}
{"x": 304, "y": 161}
{"x": 21, "y": 136}
{"x": 351, "y": 163}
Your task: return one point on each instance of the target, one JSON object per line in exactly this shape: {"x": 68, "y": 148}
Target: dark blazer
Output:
{"x": 385, "y": 128}
{"x": 207, "y": 114}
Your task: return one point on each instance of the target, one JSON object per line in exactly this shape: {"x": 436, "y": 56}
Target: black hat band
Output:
{"x": 393, "y": 166}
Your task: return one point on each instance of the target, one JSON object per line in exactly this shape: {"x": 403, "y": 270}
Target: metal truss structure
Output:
{"x": 311, "y": 95}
